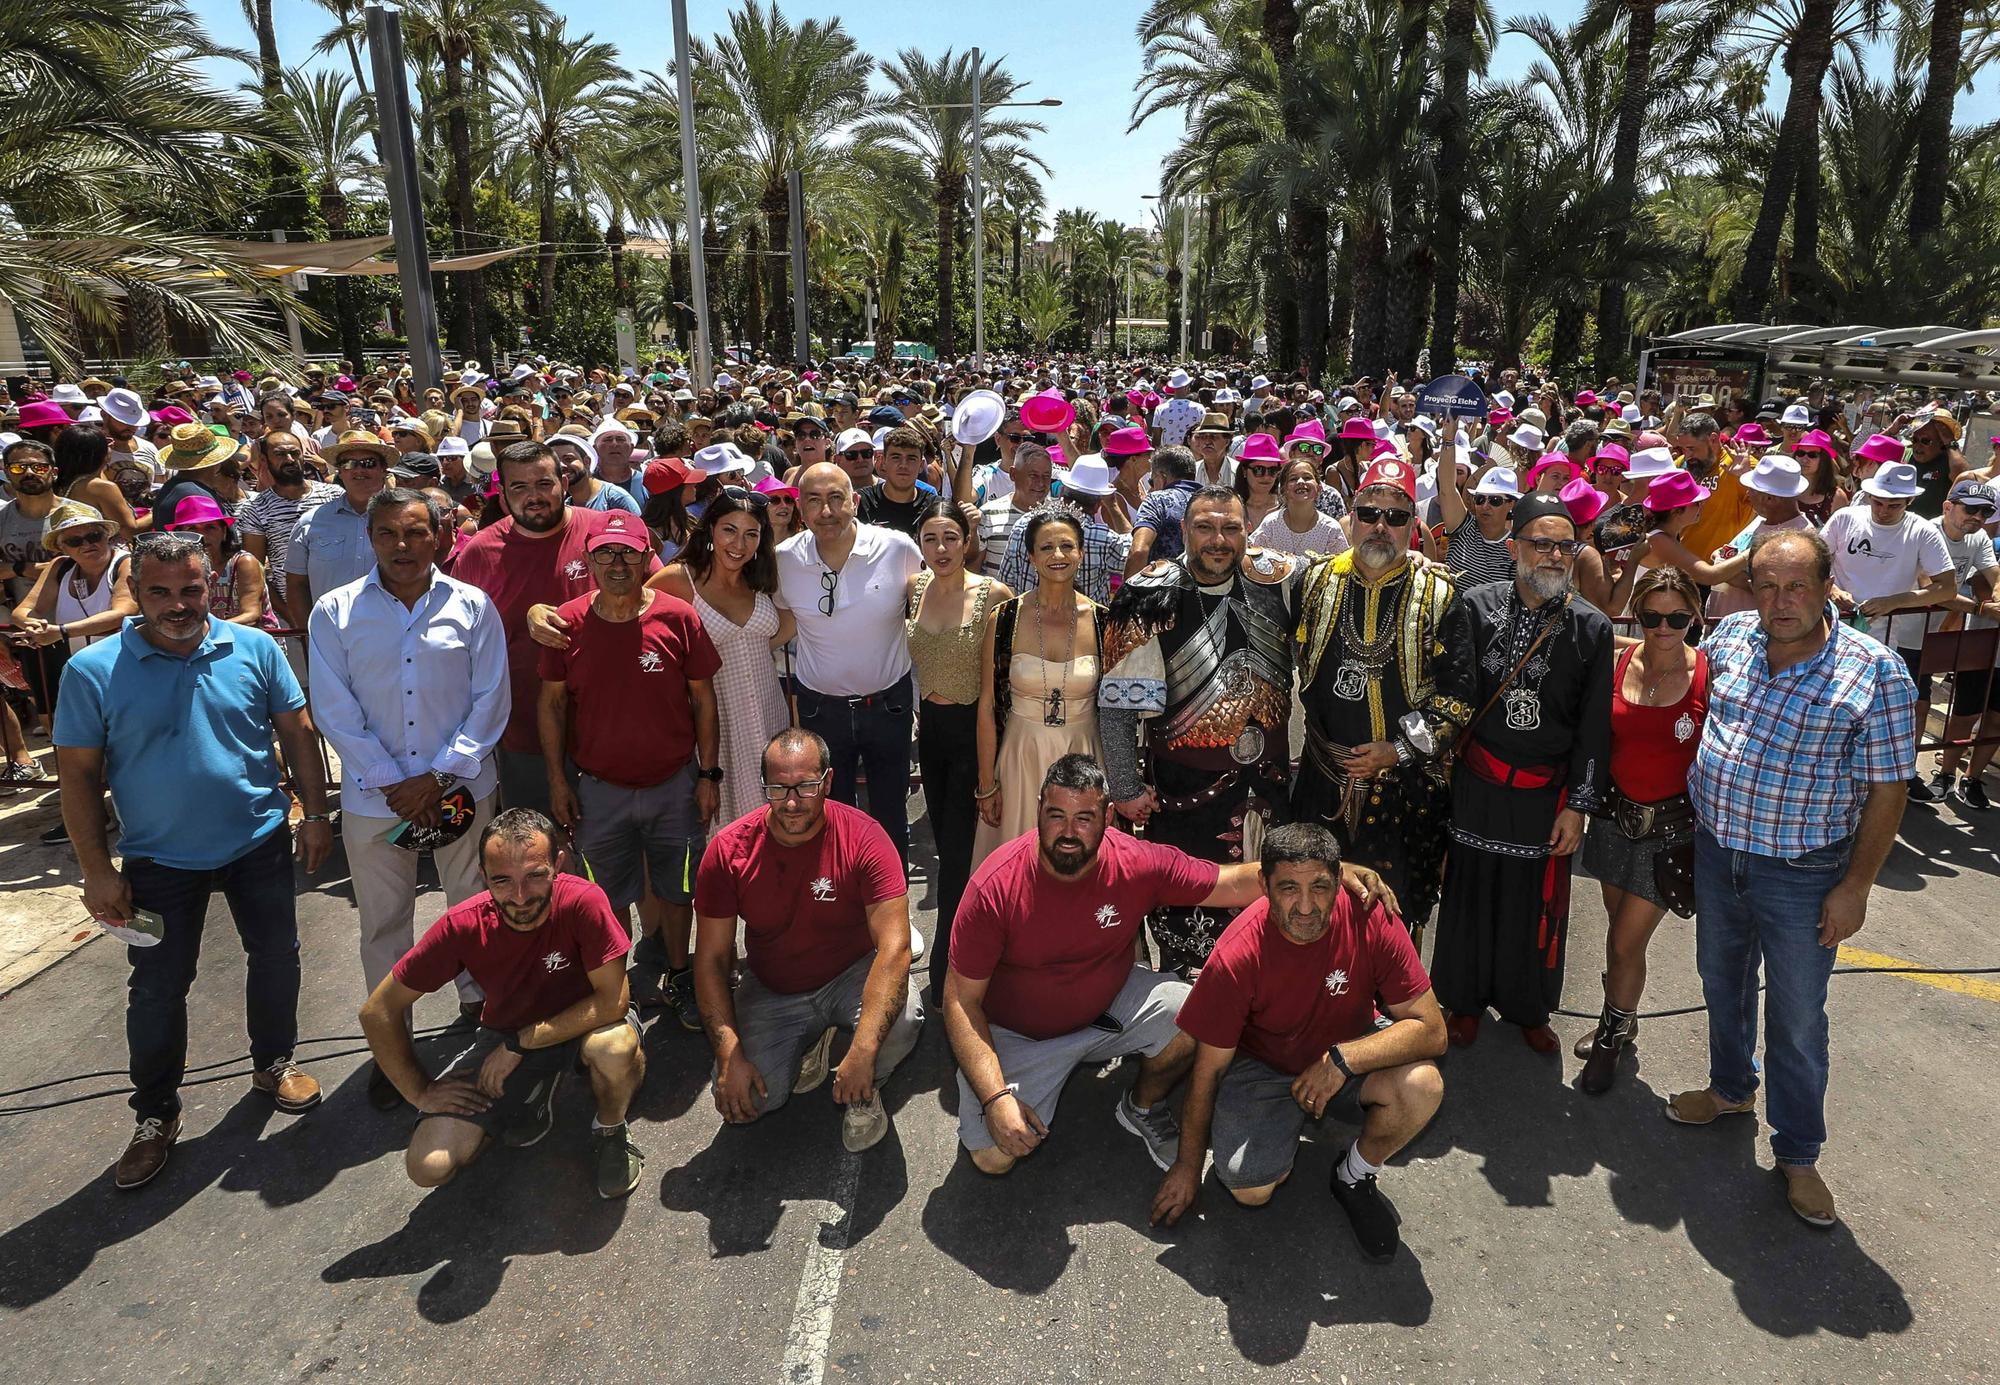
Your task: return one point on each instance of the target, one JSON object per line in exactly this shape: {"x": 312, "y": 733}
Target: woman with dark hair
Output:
{"x": 81, "y": 455}
{"x": 946, "y": 629}
{"x": 1818, "y": 462}
{"x": 728, "y": 572}
{"x": 1257, "y": 486}
{"x": 1659, "y": 700}
{"x": 235, "y": 578}
{"x": 1038, "y": 669}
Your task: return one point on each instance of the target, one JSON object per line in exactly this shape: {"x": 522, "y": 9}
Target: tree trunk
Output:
{"x": 333, "y": 206}
{"x": 1811, "y": 53}
{"x": 1566, "y": 338}
{"x": 1805, "y": 296}
{"x": 1461, "y": 18}
{"x": 949, "y": 189}
{"x": 776, "y": 205}
{"x": 1612, "y": 355}
{"x": 753, "y": 283}
{"x": 1281, "y": 322}
{"x": 1340, "y": 308}
{"x": 462, "y": 333}
{"x": 1370, "y": 293}
{"x": 1305, "y": 223}
{"x": 150, "y": 339}
{"x": 1934, "y": 118}
{"x": 1211, "y": 233}
{"x": 545, "y": 317}
{"x": 621, "y": 282}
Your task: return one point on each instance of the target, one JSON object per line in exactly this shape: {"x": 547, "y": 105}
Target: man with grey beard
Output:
{"x": 1535, "y": 760}
{"x": 1386, "y": 681}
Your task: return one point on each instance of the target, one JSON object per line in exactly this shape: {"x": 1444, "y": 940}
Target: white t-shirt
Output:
{"x": 143, "y": 452}
{"x": 1325, "y": 538}
{"x": 1175, "y": 419}
{"x": 1970, "y": 555}
{"x": 860, "y": 648}
{"x": 1871, "y": 560}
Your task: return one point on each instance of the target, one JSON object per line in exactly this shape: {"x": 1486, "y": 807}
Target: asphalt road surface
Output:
{"x": 1548, "y": 1235}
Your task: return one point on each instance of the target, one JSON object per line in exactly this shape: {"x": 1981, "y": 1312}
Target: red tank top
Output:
{"x": 1652, "y": 747}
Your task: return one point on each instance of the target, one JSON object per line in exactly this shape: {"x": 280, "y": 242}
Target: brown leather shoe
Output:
{"x": 288, "y": 1085}
{"x": 143, "y": 1159}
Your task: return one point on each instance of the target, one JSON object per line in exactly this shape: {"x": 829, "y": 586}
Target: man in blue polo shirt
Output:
{"x": 176, "y": 715}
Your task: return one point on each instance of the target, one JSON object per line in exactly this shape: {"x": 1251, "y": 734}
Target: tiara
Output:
{"x": 1055, "y": 507}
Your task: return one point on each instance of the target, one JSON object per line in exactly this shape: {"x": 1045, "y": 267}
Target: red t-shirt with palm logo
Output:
{"x": 630, "y": 720}
{"x": 1055, "y": 952}
{"x": 804, "y": 908}
{"x": 1287, "y": 1003}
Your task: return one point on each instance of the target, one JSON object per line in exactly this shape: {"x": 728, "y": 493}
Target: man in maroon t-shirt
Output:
{"x": 1042, "y": 975}
{"x": 550, "y": 957}
{"x": 533, "y": 556}
{"x": 1284, "y": 1015}
{"x": 826, "y": 939}
{"x": 629, "y": 702}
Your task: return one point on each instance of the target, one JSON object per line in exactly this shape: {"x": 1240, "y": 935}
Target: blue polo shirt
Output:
{"x": 186, "y": 740}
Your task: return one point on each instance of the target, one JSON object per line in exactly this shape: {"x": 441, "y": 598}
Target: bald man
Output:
{"x": 844, "y": 581}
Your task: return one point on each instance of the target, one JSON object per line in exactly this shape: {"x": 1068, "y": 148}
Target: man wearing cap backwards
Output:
{"x": 329, "y": 544}
{"x": 1197, "y": 647}
{"x": 1385, "y": 675}
{"x": 1533, "y": 762}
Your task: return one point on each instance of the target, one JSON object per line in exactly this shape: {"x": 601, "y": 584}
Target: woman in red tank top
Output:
{"x": 1659, "y": 700}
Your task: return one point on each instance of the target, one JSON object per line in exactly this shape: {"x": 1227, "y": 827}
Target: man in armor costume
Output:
{"x": 1197, "y": 647}
{"x": 1386, "y": 682}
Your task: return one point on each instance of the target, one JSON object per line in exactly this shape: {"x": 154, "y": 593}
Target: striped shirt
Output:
{"x": 1786, "y": 758}
{"x": 273, "y": 516}
{"x": 1473, "y": 558}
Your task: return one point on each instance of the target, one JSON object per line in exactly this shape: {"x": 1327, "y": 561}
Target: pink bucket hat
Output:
{"x": 197, "y": 509}
{"x": 1584, "y": 501}
{"x": 1879, "y": 447}
{"x": 1260, "y": 447}
{"x": 1674, "y": 491}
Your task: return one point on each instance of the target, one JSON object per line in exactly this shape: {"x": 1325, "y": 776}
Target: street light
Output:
{"x": 691, "y": 192}
{"x": 1187, "y": 273}
{"x": 979, "y": 204}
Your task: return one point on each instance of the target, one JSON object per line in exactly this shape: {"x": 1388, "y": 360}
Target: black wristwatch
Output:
{"x": 713, "y": 774}
{"x": 444, "y": 781}
{"x": 1334, "y": 1055}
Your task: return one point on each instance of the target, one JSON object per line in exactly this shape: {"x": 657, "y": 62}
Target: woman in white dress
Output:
{"x": 728, "y": 572}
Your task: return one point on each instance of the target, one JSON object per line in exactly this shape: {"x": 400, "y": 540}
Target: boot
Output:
{"x": 1614, "y": 1032}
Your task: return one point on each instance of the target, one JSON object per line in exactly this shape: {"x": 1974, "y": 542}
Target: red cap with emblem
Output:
{"x": 1391, "y": 471}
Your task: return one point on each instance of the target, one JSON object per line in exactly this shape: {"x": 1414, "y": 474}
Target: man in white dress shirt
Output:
{"x": 410, "y": 688}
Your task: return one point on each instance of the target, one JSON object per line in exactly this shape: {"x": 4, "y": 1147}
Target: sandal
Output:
{"x": 1702, "y": 1107}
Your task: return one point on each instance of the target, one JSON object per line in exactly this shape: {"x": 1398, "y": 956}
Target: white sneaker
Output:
{"x": 916, "y": 944}
{"x": 813, "y": 1068}
{"x": 863, "y": 1124}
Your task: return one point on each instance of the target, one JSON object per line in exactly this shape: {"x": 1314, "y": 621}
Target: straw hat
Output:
{"x": 357, "y": 441}
{"x": 74, "y": 514}
{"x": 192, "y": 447}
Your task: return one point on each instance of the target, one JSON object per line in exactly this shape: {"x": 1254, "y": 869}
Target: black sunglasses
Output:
{"x": 1375, "y": 514}
{"x": 1493, "y": 500}
{"x": 756, "y": 500}
{"x": 855, "y": 454}
{"x": 1674, "y": 620}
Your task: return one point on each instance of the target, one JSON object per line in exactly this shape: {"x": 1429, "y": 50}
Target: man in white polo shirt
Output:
{"x": 844, "y": 582}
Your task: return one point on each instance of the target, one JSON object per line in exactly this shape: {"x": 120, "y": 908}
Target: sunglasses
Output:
{"x": 807, "y": 434}
{"x": 1493, "y": 500}
{"x": 828, "y": 580}
{"x": 1263, "y": 470}
{"x": 1544, "y": 547}
{"x": 756, "y": 500}
{"x": 360, "y": 464}
{"x": 806, "y": 792}
{"x": 1375, "y": 514}
{"x": 856, "y": 454}
{"x": 1673, "y": 620}
{"x": 1013, "y": 437}
{"x": 1976, "y": 511}
{"x": 23, "y": 468}
{"x": 86, "y": 541}
{"x": 1310, "y": 449}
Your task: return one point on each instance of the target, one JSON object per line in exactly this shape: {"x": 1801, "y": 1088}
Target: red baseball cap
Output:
{"x": 620, "y": 530}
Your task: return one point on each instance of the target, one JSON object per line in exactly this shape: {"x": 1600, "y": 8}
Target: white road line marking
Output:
{"x": 819, "y": 1282}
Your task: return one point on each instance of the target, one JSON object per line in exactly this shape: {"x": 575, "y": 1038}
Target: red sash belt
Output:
{"x": 1495, "y": 770}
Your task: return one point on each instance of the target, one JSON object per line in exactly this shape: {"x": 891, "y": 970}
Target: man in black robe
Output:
{"x": 1197, "y": 647}
{"x": 1536, "y": 761}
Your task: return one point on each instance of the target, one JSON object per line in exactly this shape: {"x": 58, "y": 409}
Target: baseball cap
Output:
{"x": 854, "y": 437}
{"x": 1972, "y": 492}
{"x": 619, "y": 530}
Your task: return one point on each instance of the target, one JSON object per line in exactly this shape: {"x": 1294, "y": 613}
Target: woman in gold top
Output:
{"x": 946, "y": 626}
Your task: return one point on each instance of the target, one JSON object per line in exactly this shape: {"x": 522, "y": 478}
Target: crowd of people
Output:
{"x": 1225, "y": 696}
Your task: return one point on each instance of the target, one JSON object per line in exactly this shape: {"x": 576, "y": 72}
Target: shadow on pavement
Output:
{"x": 1789, "y": 1279}
{"x": 1931, "y": 844}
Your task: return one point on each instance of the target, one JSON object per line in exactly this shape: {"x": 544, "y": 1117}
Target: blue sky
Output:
{"x": 1080, "y": 51}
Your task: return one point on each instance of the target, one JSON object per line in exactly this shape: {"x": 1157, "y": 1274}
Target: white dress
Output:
{"x": 749, "y": 701}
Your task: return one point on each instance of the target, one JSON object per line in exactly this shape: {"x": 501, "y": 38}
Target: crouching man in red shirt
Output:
{"x": 550, "y": 957}
{"x": 1284, "y": 1016}
{"x": 1043, "y": 973}
{"x": 826, "y": 945}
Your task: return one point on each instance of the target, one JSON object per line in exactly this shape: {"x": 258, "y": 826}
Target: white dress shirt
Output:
{"x": 860, "y": 648}
{"x": 400, "y": 690}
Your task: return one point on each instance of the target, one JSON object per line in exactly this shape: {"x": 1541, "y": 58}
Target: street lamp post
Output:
{"x": 691, "y": 190}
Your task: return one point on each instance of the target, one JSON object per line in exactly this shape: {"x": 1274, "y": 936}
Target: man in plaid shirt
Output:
{"x": 1798, "y": 786}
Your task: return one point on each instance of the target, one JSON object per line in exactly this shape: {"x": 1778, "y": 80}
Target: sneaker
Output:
{"x": 1373, "y": 1217}
{"x": 1920, "y": 792}
{"x": 1940, "y": 786}
{"x": 146, "y": 1155}
{"x": 1157, "y": 1127}
{"x": 17, "y": 773}
{"x": 1972, "y": 794}
{"x": 619, "y": 1162}
{"x": 537, "y": 1113}
{"x": 55, "y": 836}
{"x": 288, "y": 1085}
{"x": 678, "y": 992}
{"x": 863, "y": 1124}
{"x": 813, "y": 1068}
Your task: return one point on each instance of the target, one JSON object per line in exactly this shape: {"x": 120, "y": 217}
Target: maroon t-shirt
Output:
{"x": 630, "y": 722}
{"x": 526, "y": 976}
{"x": 1055, "y": 952}
{"x": 1287, "y": 1003}
{"x": 516, "y": 573}
{"x": 804, "y": 908}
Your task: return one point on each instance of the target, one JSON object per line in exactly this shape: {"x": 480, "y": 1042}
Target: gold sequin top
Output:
{"x": 947, "y": 661}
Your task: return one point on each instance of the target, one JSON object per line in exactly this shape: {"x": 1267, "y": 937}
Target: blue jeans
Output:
{"x": 258, "y": 888}
{"x": 872, "y": 732}
{"x": 1751, "y": 909}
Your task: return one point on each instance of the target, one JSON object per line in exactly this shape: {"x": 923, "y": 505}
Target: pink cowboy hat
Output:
{"x": 1674, "y": 491}
{"x": 1384, "y": 448}
{"x": 1260, "y": 447}
{"x": 1357, "y": 429}
{"x": 1499, "y": 418}
{"x": 1311, "y": 430}
{"x": 197, "y": 509}
{"x": 1127, "y": 442}
{"x": 1584, "y": 501}
{"x": 173, "y": 414}
{"x": 1047, "y": 412}
{"x": 1879, "y": 447}
{"x": 1586, "y": 399}
{"x": 1612, "y": 456}
{"x": 771, "y": 485}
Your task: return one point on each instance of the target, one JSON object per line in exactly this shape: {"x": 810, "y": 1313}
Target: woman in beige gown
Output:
{"x": 1038, "y": 681}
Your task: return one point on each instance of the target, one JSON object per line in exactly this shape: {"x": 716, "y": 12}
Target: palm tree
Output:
{"x": 929, "y": 115}
{"x": 1114, "y": 253}
{"x": 324, "y": 122}
{"x": 1947, "y": 41}
{"x": 1451, "y": 116}
{"x": 1045, "y": 312}
{"x": 787, "y": 90}
{"x": 553, "y": 94}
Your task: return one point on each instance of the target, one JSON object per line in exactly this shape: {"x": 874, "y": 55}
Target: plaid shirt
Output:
{"x": 1786, "y": 759}
{"x": 1104, "y": 555}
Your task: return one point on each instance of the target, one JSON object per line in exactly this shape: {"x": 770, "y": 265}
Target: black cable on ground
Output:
{"x": 1701, "y": 1009}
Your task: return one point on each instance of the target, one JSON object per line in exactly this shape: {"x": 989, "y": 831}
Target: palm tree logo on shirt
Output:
{"x": 822, "y": 890}
{"x": 649, "y": 662}
{"x": 1107, "y": 917}
{"x": 555, "y": 961}
{"x": 1336, "y": 982}
{"x": 575, "y": 570}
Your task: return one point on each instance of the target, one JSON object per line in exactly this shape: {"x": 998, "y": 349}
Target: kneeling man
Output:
{"x": 1284, "y": 1015}
{"x": 826, "y": 940}
{"x": 550, "y": 957}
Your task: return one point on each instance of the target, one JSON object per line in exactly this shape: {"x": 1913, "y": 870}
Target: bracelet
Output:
{"x": 316, "y": 817}
{"x": 978, "y": 797}
{"x": 63, "y": 629}
{"x": 1011, "y": 1089}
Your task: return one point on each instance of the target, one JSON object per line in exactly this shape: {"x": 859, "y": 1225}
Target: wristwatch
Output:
{"x": 444, "y": 781}
{"x": 713, "y": 774}
{"x": 1334, "y": 1055}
